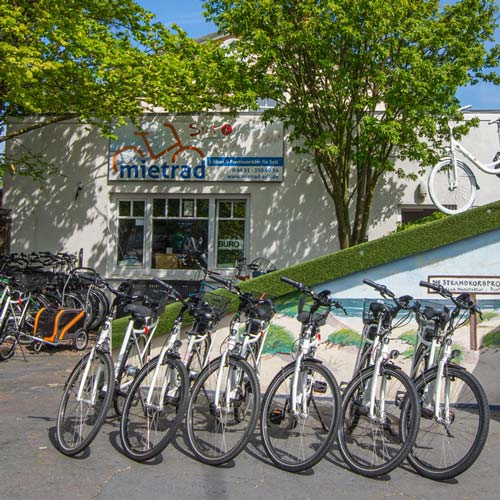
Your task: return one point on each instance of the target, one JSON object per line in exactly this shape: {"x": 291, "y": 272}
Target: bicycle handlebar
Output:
{"x": 382, "y": 289}
{"x": 322, "y": 298}
{"x": 462, "y": 301}
{"x": 437, "y": 288}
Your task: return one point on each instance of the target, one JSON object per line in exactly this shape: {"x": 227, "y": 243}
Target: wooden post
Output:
{"x": 473, "y": 327}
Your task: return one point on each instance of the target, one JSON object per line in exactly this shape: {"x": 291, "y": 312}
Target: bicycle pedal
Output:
{"x": 276, "y": 416}
{"x": 320, "y": 387}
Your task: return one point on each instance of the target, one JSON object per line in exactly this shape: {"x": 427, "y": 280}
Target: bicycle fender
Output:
{"x": 233, "y": 355}
{"x": 312, "y": 360}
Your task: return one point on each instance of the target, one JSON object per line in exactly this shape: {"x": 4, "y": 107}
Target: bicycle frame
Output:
{"x": 489, "y": 168}
{"x": 104, "y": 343}
{"x": 9, "y": 303}
{"x": 300, "y": 394}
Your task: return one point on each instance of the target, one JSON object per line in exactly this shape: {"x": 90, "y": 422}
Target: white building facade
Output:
{"x": 230, "y": 186}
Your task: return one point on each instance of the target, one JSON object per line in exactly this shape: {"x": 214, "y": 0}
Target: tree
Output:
{"x": 98, "y": 61}
{"x": 360, "y": 81}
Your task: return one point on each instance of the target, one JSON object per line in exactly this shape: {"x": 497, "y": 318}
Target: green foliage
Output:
{"x": 98, "y": 62}
{"x": 424, "y": 220}
{"x": 492, "y": 339}
{"x": 330, "y": 64}
{"x": 344, "y": 336}
{"x": 279, "y": 340}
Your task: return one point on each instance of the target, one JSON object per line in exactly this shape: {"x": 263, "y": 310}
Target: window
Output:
{"x": 412, "y": 214}
{"x": 231, "y": 224}
{"x": 179, "y": 225}
{"x": 154, "y": 234}
{"x": 266, "y": 103}
{"x": 130, "y": 233}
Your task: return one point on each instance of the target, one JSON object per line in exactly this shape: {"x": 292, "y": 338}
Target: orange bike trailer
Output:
{"x": 54, "y": 326}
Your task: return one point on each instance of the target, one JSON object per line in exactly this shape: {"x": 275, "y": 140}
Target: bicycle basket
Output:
{"x": 261, "y": 266}
{"x": 150, "y": 289}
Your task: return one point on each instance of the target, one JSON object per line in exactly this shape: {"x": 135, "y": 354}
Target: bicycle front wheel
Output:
{"x": 449, "y": 444}
{"x": 223, "y": 410}
{"x": 452, "y": 194}
{"x": 296, "y": 439}
{"x": 131, "y": 364}
{"x": 154, "y": 408}
{"x": 8, "y": 343}
{"x": 375, "y": 441}
{"x": 85, "y": 403}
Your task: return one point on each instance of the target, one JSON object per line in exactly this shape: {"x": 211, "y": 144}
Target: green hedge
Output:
{"x": 417, "y": 239}
{"x": 381, "y": 251}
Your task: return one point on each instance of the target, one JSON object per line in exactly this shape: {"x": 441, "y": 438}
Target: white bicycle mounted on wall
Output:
{"x": 451, "y": 183}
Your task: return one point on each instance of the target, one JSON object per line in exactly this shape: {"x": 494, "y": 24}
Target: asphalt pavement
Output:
{"x": 31, "y": 468}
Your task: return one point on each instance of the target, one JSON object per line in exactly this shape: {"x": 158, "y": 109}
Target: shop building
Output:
{"x": 230, "y": 186}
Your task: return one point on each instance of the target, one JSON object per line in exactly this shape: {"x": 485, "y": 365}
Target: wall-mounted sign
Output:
{"x": 468, "y": 284}
{"x": 198, "y": 148}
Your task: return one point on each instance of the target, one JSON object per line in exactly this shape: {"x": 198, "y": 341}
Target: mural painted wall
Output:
{"x": 341, "y": 335}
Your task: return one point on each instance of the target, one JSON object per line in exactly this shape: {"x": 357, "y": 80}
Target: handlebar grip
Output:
{"x": 382, "y": 289}
{"x": 222, "y": 281}
{"x": 168, "y": 288}
{"x": 432, "y": 286}
{"x": 291, "y": 282}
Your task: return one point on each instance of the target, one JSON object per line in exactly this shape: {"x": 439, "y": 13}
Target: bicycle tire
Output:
{"x": 198, "y": 357}
{"x": 8, "y": 344}
{"x": 130, "y": 367}
{"x": 75, "y": 433}
{"x": 146, "y": 430}
{"x": 296, "y": 443}
{"x": 421, "y": 361}
{"x": 374, "y": 447}
{"x": 218, "y": 433}
{"x": 468, "y": 430}
{"x": 443, "y": 196}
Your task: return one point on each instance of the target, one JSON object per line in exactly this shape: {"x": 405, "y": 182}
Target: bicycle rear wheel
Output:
{"x": 79, "y": 418}
{"x": 373, "y": 445}
{"x": 223, "y": 410}
{"x": 154, "y": 408}
{"x": 446, "y": 448}
{"x": 452, "y": 195}
{"x": 297, "y": 442}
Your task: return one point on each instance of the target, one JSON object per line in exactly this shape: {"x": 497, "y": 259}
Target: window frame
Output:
{"x": 146, "y": 268}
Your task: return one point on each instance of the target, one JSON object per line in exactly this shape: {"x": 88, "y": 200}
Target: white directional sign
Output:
{"x": 468, "y": 284}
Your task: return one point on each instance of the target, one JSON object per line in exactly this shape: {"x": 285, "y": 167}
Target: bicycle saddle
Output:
{"x": 138, "y": 310}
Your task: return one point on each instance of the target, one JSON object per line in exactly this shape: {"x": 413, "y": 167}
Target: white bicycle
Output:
{"x": 451, "y": 183}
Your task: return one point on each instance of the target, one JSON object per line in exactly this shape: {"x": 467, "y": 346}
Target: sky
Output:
{"x": 188, "y": 14}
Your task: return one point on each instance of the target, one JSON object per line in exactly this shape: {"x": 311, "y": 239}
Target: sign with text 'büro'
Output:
{"x": 209, "y": 148}
{"x": 468, "y": 284}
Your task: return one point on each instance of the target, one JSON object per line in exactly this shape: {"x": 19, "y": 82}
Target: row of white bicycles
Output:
{"x": 436, "y": 416}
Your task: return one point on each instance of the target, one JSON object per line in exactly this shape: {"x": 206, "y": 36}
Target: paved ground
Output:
{"x": 31, "y": 468}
